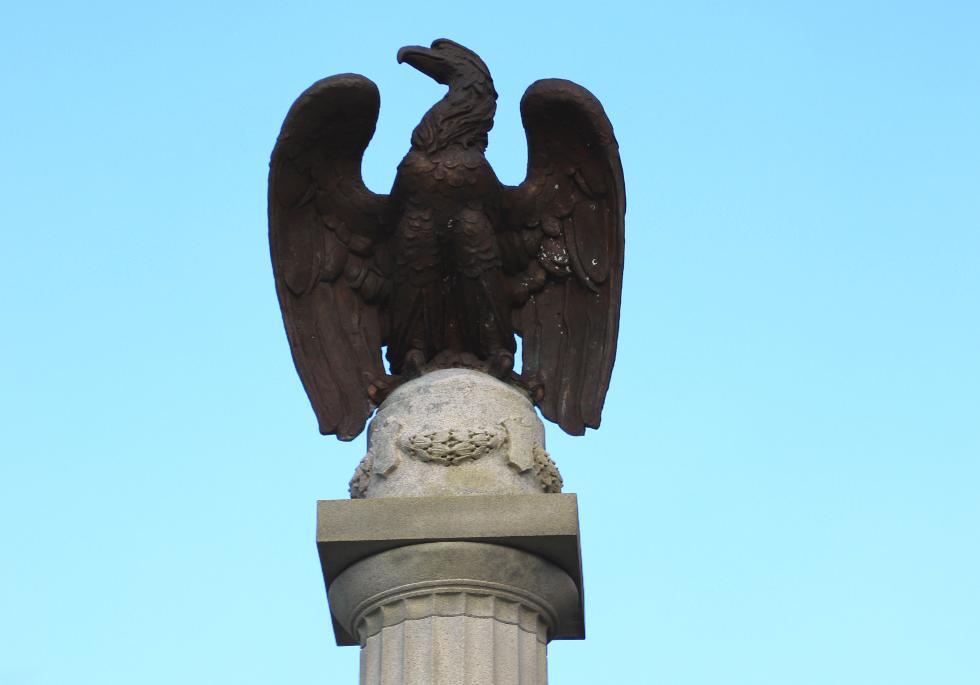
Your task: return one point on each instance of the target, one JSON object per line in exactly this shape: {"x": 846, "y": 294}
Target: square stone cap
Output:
{"x": 542, "y": 524}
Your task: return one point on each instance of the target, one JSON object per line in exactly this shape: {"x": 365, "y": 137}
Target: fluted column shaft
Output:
{"x": 453, "y": 613}
{"x": 454, "y": 637}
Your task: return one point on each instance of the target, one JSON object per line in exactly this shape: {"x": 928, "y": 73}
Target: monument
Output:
{"x": 456, "y": 560}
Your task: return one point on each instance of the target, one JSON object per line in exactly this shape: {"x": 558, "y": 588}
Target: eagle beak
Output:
{"x": 405, "y": 54}
{"x": 426, "y": 60}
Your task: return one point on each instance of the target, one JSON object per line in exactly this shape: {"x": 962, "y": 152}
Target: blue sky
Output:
{"x": 785, "y": 486}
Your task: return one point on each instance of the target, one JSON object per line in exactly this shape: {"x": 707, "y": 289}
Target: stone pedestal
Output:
{"x": 457, "y": 561}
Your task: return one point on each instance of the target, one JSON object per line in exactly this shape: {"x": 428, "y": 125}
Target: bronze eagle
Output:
{"x": 451, "y": 264}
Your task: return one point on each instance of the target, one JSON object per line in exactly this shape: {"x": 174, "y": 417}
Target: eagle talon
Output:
{"x": 413, "y": 365}
{"x": 501, "y": 364}
{"x": 380, "y": 387}
{"x": 533, "y": 383}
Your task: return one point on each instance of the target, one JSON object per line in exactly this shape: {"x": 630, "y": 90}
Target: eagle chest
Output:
{"x": 444, "y": 223}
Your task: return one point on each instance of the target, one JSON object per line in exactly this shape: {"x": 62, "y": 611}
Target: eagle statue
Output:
{"x": 451, "y": 264}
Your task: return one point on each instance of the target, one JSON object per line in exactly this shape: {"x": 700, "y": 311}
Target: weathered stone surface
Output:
{"x": 458, "y": 559}
{"x": 446, "y": 613}
{"x": 455, "y": 432}
{"x": 454, "y": 650}
{"x": 545, "y": 526}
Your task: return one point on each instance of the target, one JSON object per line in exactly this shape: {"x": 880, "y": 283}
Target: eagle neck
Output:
{"x": 463, "y": 117}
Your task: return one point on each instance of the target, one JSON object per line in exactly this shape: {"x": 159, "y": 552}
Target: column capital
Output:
{"x": 522, "y": 550}
{"x": 446, "y": 579}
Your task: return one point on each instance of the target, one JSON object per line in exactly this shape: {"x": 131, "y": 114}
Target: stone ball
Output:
{"x": 455, "y": 432}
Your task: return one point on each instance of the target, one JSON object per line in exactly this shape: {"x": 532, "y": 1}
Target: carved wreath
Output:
{"x": 453, "y": 446}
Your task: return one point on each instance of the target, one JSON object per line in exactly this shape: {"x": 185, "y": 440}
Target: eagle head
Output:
{"x": 449, "y": 63}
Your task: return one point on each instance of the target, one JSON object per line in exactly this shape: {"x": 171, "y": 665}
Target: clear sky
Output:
{"x": 786, "y": 486}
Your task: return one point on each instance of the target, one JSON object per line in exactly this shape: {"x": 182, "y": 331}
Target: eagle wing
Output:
{"x": 327, "y": 235}
{"x": 566, "y": 251}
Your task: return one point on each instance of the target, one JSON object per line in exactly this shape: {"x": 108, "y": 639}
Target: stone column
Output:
{"x": 457, "y": 562}
{"x": 453, "y": 613}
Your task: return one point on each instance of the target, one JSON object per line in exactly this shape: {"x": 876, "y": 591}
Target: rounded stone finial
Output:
{"x": 455, "y": 432}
